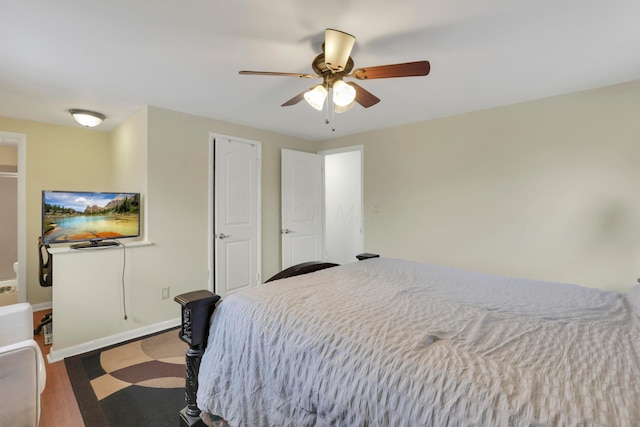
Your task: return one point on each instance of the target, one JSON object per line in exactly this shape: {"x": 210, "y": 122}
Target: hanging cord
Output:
{"x": 333, "y": 114}
{"x": 326, "y": 107}
{"x": 124, "y": 263}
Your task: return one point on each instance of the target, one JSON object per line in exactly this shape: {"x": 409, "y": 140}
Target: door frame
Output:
{"x": 348, "y": 149}
{"x": 20, "y": 141}
{"x": 212, "y": 200}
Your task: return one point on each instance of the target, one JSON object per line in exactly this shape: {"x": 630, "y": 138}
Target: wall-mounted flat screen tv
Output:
{"x": 94, "y": 218}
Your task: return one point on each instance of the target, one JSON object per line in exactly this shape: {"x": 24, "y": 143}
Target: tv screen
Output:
{"x": 90, "y": 217}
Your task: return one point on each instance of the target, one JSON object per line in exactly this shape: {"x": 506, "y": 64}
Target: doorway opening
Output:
{"x": 18, "y": 142}
{"x": 343, "y": 200}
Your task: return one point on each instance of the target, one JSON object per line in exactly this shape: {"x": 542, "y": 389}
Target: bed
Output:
{"x": 388, "y": 342}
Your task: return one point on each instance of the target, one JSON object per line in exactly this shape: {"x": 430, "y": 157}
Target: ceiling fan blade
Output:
{"x": 419, "y": 68}
{"x": 299, "y": 97}
{"x": 274, "y": 73}
{"x": 337, "y": 48}
{"x": 364, "y": 97}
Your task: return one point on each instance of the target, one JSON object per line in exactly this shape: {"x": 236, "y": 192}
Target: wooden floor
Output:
{"x": 59, "y": 406}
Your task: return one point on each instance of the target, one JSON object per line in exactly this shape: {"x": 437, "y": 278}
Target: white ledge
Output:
{"x": 69, "y": 250}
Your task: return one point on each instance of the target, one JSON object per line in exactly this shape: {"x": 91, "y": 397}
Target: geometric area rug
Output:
{"x": 137, "y": 383}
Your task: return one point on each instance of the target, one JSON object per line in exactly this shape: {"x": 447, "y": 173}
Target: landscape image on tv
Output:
{"x": 80, "y": 216}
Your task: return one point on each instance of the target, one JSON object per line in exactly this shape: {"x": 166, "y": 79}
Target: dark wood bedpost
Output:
{"x": 197, "y": 308}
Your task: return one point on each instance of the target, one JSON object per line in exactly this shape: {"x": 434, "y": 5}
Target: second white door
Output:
{"x": 302, "y": 207}
{"x": 236, "y": 215}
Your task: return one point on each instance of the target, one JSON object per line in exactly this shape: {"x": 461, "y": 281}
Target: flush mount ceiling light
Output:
{"x": 87, "y": 118}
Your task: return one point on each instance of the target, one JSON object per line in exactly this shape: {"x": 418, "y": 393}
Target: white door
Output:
{"x": 236, "y": 214}
{"x": 302, "y": 207}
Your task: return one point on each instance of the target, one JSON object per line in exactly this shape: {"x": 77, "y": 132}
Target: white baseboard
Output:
{"x": 42, "y": 306}
{"x": 58, "y": 355}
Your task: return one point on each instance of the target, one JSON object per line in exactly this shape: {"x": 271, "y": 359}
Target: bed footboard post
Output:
{"x": 197, "y": 308}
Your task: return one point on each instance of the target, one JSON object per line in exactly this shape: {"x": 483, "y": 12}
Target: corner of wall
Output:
{"x": 129, "y": 153}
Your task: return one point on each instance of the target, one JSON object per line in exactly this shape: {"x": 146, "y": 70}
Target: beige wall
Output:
{"x": 178, "y": 177}
{"x": 158, "y": 149}
{"x": 129, "y": 172}
{"x": 58, "y": 158}
{"x": 164, "y": 155}
{"x": 545, "y": 189}
{"x": 128, "y": 143}
{"x": 8, "y": 155}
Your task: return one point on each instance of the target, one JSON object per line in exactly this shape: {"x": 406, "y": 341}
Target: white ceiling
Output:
{"x": 115, "y": 56}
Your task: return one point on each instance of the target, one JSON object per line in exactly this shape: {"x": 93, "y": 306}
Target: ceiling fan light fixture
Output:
{"x": 338, "y": 45}
{"x": 87, "y": 118}
{"x": 316, "y": 96}
{"x": 343, "y": 93}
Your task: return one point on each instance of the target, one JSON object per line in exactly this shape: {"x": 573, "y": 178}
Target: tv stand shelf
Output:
{"x": 70, "y": 250}
{"x": 94, "y": 244}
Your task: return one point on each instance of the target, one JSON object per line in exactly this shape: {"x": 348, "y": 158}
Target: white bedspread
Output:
{"x": 386, "y": 342}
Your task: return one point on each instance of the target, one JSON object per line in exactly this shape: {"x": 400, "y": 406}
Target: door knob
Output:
{"x": 223, "y": 236}
{"x": 286, "y": 231}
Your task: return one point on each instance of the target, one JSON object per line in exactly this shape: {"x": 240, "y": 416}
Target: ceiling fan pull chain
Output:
{"x": 333, "y": 111}
{"x": 333, "y": 116}
{"x": 326, "y": 107}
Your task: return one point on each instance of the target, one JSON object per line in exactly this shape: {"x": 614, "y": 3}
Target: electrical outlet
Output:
{"x": 165, "y": 293}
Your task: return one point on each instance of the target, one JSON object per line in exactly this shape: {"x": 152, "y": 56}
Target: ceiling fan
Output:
{"x": 335, "y": 64}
